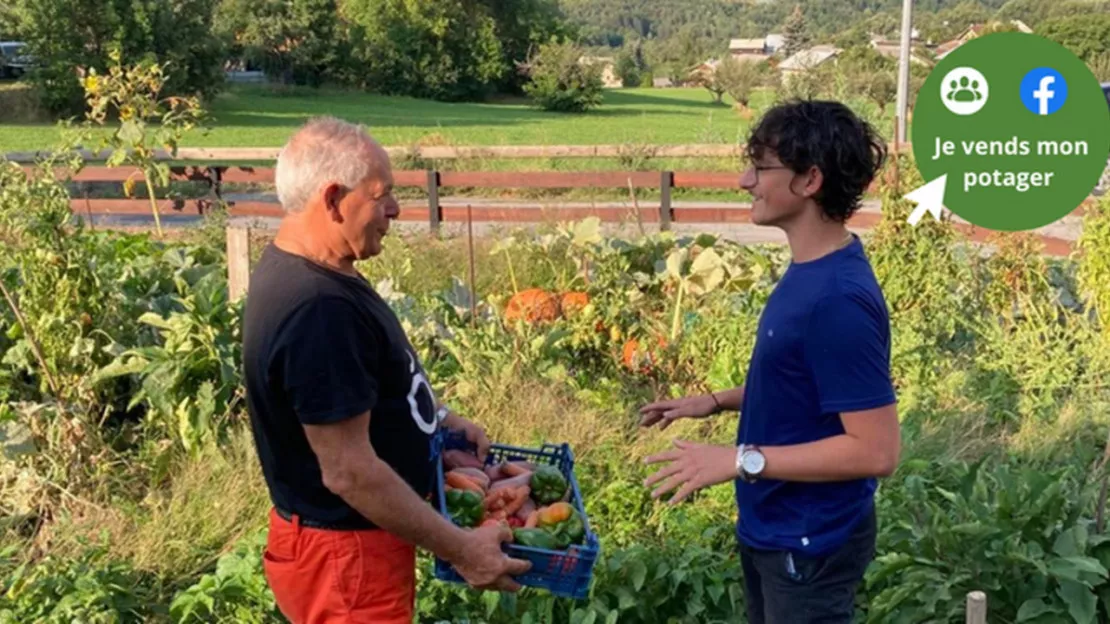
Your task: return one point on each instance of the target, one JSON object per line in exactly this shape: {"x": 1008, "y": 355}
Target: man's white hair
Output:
{"x": 323, "y": 151}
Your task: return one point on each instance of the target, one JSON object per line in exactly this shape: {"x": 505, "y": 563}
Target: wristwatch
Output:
{"x": 750, "y": 462}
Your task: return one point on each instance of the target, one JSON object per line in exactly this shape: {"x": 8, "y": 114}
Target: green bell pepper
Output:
{"x": 465, "y": 507}
{"x": 548, "y": 485}
{"x": 567, "y": 532}
{"x": 535, "y": 538}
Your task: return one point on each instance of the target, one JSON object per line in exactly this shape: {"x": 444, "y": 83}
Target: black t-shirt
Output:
{"x": 320, "y": 347}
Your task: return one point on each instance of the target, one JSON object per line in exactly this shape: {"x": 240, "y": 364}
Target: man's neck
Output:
{"x": 811, "y": 239}
{"x": 296, "y": 236}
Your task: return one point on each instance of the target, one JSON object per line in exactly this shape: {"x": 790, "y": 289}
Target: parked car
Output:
{"x": 13, "y": 63}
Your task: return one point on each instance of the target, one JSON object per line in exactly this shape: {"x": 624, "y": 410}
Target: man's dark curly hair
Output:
{"x": 828, "y": 135}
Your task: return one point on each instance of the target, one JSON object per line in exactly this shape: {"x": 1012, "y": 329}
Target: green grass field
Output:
{"x": 258, "y": 116}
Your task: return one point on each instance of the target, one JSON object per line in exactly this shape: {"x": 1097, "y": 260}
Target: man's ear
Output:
{"x": 333, "y": 194}
{"x": 814, "y": 179}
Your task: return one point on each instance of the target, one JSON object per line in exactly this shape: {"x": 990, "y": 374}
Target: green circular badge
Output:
{"x": 1011, "y": 132}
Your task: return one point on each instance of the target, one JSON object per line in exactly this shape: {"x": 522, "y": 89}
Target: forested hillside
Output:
{"x": 692, "y": 30}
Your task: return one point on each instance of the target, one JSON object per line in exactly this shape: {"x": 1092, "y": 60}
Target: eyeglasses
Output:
{"x": 758, "y": 168}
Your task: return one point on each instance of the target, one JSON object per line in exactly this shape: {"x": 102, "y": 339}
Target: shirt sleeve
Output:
{"x": 326, "y": 362}
{"x": 847, "y": 347}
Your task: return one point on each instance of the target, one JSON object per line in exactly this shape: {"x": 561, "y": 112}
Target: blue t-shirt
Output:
{"x": 823, "y": 348}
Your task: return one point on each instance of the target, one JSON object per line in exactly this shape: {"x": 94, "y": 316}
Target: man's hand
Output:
{"x": 475, "y": 434}
{"x": 664, "y": 413}
{"x": 693, "y": 466}
{"x": 482, "y": 563}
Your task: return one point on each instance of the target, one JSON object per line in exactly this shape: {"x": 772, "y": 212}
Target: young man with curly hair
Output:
{"x": 818, "y": 419}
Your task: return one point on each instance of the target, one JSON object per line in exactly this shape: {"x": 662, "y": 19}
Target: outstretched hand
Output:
{"x": 666, "y": 412}
{"x": 692, "y": 467}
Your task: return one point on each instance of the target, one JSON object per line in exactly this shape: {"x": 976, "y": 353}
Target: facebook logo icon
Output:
{"x": 1043, "y": 91}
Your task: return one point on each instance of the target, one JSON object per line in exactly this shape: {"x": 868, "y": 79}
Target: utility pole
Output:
{"x": 904, "y": 69}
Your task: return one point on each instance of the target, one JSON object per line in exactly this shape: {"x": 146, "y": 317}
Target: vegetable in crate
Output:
{"x": 535, "y": 538}
{"x": 465, "y": 507}
{"x": 548, "y": 485}
{"x": 460, "y": 459}
{"x": 564, "y": 523}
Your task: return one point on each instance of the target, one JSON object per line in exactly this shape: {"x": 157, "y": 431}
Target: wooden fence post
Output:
{"x": 435, "y": 214}
{"x": 666, "y": 182}
{"x": 238, "y": 261}
{"x": 976, "y": 608}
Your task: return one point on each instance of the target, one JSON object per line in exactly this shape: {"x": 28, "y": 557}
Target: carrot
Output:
{"x": 517, "y": 468}
{"x": 475, "y": 475}
{"x": 496, "y": 499}
{"x": 520, "y": 495}
{"x": 494, "y": 472}
{"x": 461, "y": 482}
{"x": 533, "y": 520}
{"x": 514, "y": 482}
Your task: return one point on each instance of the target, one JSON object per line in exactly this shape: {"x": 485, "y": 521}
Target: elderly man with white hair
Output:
{"x": 341, "y": 411}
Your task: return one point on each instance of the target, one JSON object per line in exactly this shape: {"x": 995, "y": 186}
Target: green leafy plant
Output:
{"x": 190, "y": 378}
{"x": 88, "y": 588}
{"x": 236, "y": 591}
{"x": 147, "y": 122}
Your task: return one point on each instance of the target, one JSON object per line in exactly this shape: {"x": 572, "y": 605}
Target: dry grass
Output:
{"x": 1077, "y": 432}
{"x": 529, "y": 412}
{"x": 177, "y": 530}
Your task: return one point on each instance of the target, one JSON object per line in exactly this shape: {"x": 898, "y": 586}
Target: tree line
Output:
{"x": 457, "y": 50}
{"x": 440, "y": 49}
{"x": 670, "y": 38}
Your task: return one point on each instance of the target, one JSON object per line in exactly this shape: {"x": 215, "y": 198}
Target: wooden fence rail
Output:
{"x": 447, "y": 152}
{"x": 431, "y": 210}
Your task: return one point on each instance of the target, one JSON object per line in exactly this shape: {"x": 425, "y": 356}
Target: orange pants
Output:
{"x": 334, "y": 577}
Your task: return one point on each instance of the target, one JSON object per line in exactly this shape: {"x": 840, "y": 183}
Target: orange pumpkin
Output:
{"x": 573, "y": 302}
{"x": 638, "y": 358}
{"x": 532, "y": 305}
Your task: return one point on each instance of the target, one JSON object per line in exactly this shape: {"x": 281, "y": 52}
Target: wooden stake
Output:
{"x": 636, "y": 207}
{"x": 34, "y": 343}
{"x": 238, "y": 262}
{"x": 1100, "y": 511}
{"x": 470, "y": 259}
{"x": 976, "y": 608}
{"x": 88, "y": 211}
{"x": 897, "y": 156}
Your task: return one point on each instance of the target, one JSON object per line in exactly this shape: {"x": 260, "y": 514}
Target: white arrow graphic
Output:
{"x": 929, "y": 198}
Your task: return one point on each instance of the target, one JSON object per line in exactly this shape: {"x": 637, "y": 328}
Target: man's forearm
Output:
{"x": 381, "y": 496}
{"x": 730, "y": 399}
{"x": 838, "y": 458}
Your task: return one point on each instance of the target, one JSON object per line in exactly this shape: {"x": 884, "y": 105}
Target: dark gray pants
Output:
{"x": 785, "y": 588}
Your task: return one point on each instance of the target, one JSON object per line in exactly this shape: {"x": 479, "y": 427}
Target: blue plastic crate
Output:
{"x": 563, "y": 573}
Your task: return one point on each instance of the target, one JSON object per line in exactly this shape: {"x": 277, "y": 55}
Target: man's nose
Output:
{"x": 748, "y": 179}
{"x": 393, "y": 209}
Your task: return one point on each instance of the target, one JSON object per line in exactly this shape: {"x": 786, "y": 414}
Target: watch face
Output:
{"x": 753, "y": 462}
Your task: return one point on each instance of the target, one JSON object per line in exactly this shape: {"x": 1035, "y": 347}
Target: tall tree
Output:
{"x": 438, "y": 49}
{"x": 1087, "y": 36}
{"x": 66, "y": 34}
{"x": 796, "y": 32}
{"x": 292, "y": 41}
{"x": 521, "y": 26}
